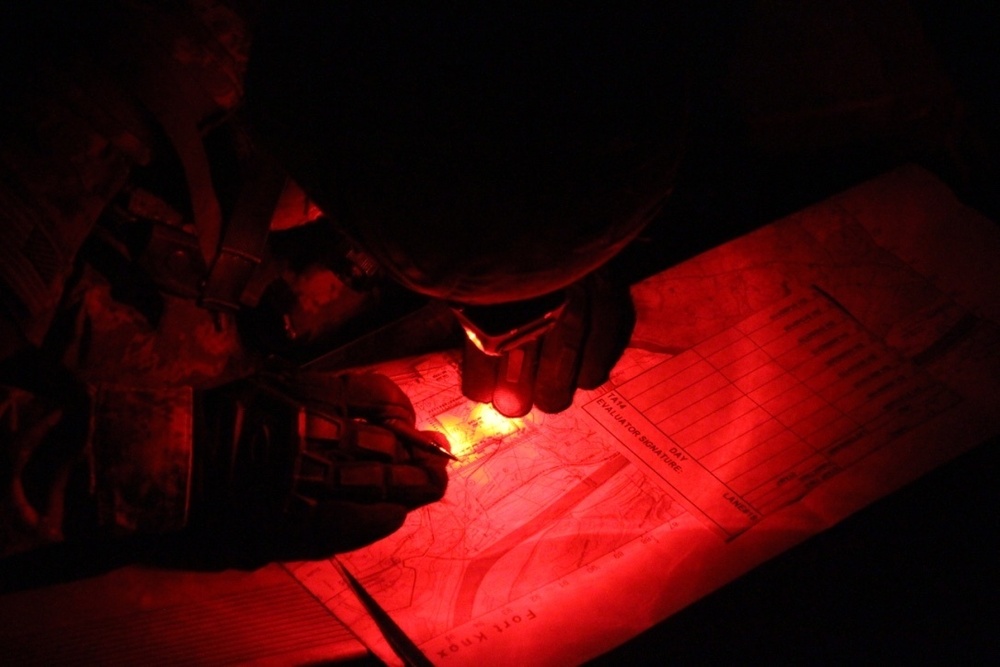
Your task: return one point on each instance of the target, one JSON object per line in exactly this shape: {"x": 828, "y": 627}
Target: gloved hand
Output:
{"x": 290, "y": 467}
{"x": 303, "y": 465}
{"x": 564, "y": 347}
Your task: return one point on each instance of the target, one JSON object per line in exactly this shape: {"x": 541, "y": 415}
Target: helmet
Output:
{"x": 483, "y": 154}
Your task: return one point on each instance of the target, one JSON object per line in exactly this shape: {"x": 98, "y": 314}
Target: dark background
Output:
{"x": 789, "y": 103}
{"x": 798, "y": 102}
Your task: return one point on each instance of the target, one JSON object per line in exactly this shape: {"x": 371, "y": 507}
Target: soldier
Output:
{"x": 158, "y": 256}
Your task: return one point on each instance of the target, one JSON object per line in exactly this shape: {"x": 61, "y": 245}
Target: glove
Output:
{"x": 287, "y": 467}
{"x": 303, "y": 465}
{"x": 544, "y": 361}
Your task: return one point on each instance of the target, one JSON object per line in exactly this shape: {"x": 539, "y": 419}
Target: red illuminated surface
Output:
{"x": 780, "y": 415}
{"x": 755, "y": 417}
{"x": 752, "y": 411}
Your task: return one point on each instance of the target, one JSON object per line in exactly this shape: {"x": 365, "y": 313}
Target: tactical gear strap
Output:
{"x": 246, "y": 235}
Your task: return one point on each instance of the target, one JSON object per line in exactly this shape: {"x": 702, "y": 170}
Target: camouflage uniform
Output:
{"x": 105, "y": 343}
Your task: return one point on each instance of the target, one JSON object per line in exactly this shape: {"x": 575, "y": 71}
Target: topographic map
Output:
{"x": 531, "y": 502}
{"x": 773, "y": 386}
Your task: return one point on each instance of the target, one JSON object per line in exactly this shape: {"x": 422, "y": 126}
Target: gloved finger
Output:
{"x": 333, "y": 445}
{"x": 415, "y": 486}
{"x": 433, "y": 462}
{"x": 479, "y": 373}
{"x": 514, "y": 390}
{"x": 561, "y": 353}
{"x": 369, "y": 396}
{"x": 375, "y": 397}
{"x": 370, "y": 482}
{"x": 356, "y": 461}
{"x": 420, "y": 480}
{"x": 434, "y": 459}
{"x": 333, "y": 437}
{"x": 376, "y": 443}
{"x": 358, "y": 481}
{"x": 611, "y": 316}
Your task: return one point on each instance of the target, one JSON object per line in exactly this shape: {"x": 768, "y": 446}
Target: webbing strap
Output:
{"x": 245, "y": 239}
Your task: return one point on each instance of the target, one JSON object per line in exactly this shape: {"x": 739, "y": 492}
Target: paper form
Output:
{"x": 756, "y": 416}
{"x": 774, "y": 385}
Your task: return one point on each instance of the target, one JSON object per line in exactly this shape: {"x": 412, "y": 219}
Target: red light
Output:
{"x": 475, "y": 339}
{"x": 482, "y": 424}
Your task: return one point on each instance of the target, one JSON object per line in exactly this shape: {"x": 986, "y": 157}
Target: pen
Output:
{"x": 411, "y": 435}
{"x": 398, "y": 641}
